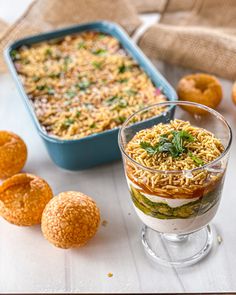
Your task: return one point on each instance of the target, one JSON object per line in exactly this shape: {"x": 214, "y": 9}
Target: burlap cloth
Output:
{"x": 200, "y": 34}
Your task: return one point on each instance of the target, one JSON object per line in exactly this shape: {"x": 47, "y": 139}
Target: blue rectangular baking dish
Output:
{"x": 79, "y": 154}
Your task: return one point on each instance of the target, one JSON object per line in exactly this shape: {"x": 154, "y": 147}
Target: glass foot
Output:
{"x": 177, "y": 250}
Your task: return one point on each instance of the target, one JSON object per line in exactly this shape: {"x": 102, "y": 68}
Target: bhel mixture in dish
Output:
{"x": 168, "y": 194}
{"x": 83, "y": 84}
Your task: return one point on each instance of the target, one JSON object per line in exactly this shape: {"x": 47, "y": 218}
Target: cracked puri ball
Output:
{"x": 23, "y": 198}
{"x": 70, "y": 220}
{"x": 13, "y": 154}
{"x": 200, "y": 88}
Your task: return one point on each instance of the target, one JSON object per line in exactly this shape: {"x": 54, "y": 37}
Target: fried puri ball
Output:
{"x": 13, "y": 154}
{"x": 200, "y": 88}
{"x": 23, "y": 198}
{"x": 234, "y": 92}
{"x": 70, "y": 220}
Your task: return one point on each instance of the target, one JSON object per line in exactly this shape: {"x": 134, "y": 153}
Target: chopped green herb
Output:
{"x": 70, "y": 93}
{"x": 101, "y": 36}
{"x": 197, "y": 160}
{"x": 152, "y": 150}
{"x": 68, "y": 122}
{"x": 67, "y": 60}
{"x": 131, "y": 92}
{"x": 14, "y": 54}
{"x": 81, "y": 45}
{"x": 97, "y": 64}
{"x": 110, "y": 100}
{"x": 125, "y": 80}
{"x": 88, "y": 105}
{"x": 48, "y": 52}
{"x": 25, "y": 61}
{"x": 122, "y": 103}
{"x": 83, "y": 85}
{"x": 178, "y": 139}
{"x": 67, "y": 102}
{"x": 93, "y": 125}
{"x": 134, "y": 120}
{"x": 120, "y": 119}
{"x": 116, "y": 102}
{"x": 78, "y": 113}
{"x": 123, "y": 68}
{"x": 41, "y": 87}
{"x": 50, "y": 90}
{"x": 54, "y": 75}
{"x": 99, "y": 51}
{"x": 174, "y": 146}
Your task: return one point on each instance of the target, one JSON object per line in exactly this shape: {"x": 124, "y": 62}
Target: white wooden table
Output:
{"x": 28, "y": 263}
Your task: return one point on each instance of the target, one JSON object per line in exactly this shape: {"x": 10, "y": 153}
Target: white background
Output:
{"x": 28, "y": 263}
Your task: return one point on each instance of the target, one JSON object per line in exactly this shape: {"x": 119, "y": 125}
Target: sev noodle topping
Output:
{"x": 176, "y": 146}
{"x": 83, "y": 84}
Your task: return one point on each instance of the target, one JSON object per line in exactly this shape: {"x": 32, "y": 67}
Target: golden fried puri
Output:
{"x": 200, "y": 88}
{"x": 13, "y": 154}
{"x": 70, "y": 220}
{"x": 23, "y": 198}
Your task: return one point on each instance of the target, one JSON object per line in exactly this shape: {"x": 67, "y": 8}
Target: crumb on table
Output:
{"x": 219, "y": 239}
{"x": 104, "y": 222}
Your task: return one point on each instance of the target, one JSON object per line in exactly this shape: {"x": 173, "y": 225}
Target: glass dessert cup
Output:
{"x": 176, "y": 206}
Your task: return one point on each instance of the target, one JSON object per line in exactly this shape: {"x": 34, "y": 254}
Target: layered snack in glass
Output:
{"x": 175, "y": 172}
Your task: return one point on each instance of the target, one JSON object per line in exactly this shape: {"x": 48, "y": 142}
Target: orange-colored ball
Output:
{"x": 70, "y": 220}
{"x": 13, "y": 154}
{"x": 200, "y": 88}
{"x": 23, "y": 198}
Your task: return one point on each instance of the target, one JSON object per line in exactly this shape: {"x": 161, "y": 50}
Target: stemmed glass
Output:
{"x": 176, "y": 220}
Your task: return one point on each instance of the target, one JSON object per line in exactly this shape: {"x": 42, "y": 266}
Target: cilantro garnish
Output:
{"x": 120, "y": 119}
{"x": 97, "y": 65}
{"x": 83, "y": 85}
{"x": 50, "y": 90}
{"x": 78, "y": 113}
{"x": 81, "y": 45}
{"x": 116, "y": 102}
{"x": 48, "y": 52}
{"x": 99, "y": 51}
{"x": 110, "y": 100}
{"x": 41, "y": 87}
{"x": 70, "y": 93}
{"x": 197, "y": 160}
{"x": 93, "y": 125}
{"x": 68, "y": 122}
{"x": 46, "y": 88}
{"x": 131, "y": 92}
{"x": 122, "y": 69}
{"x": 174, "y": 146}
{"x": 14, "y": 54}
{"x": 123, "y": 80}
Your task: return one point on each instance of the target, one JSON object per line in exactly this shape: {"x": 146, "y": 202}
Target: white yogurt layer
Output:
{"x": 177, "y": 226}
{"x": 171, "y": 202}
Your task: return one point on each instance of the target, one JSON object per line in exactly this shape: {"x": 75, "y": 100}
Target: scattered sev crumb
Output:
{"x": 219, "y": 239}
{"x": 104, "y": 222}
{"x": 110, "y": 275}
